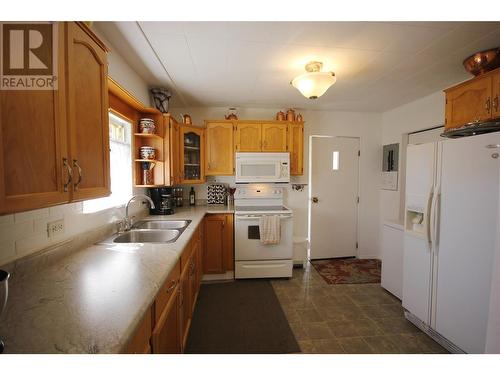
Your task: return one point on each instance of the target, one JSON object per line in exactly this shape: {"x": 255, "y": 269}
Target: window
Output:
{"x": 120, "y": 166}
{"x": 335, "y": 162}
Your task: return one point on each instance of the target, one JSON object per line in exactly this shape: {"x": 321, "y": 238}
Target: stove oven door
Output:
{"x": 247, "y": 239}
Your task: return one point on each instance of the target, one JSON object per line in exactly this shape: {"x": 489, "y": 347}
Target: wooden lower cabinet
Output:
{"x": 218, "y": 254}
{"x": 165, "y": 327}
{"x": 185, "y": 305}
{"x": 166, "y": 337}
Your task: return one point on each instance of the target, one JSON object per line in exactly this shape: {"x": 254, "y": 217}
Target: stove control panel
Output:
{"x": 258, "y": 191}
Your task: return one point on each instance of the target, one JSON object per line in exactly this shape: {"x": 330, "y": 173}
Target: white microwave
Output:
{"x": 255, "y": 167}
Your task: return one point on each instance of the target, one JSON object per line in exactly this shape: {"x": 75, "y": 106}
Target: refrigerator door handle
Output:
{"x": 436, "y": 214}
{"x": 427, "y": 217}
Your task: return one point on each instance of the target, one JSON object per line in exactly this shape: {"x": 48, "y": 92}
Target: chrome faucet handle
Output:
{"x": 120, "y": 226}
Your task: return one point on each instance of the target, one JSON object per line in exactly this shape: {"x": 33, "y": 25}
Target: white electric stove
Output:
{"x": 252, "y": 258}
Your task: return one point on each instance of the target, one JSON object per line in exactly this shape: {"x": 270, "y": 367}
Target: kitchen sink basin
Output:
{"x": 148, "y": 236}
{"x": 162, "y": 224}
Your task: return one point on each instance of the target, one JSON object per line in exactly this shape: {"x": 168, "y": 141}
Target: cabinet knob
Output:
{"x": 315, "y": 199}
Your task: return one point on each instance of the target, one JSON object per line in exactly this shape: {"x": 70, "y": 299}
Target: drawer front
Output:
{"x": 166, "y": 291}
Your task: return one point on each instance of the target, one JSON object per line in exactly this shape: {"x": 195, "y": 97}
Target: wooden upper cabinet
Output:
{"x": 220, "y": 149}
{"x": 274, "y": 137}
{"x": 172, "y": 139}
{"x": 296, "y": 148}
{"x": 192, "y": 154}
{"x": 470, "y": 101}
{"x": 47, "y": 136}
{"x": 33, "y": 146}
{"x": 248, "y": 137}
{"x": 87, "y": 72}
{"x": 495, "y": 97}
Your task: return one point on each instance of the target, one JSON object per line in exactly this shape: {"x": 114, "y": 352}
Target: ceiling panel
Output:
{"x": 379, "y": 65}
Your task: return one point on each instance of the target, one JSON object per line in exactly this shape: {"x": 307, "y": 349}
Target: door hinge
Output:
{"x": 358, "y": 199}
{"x": 359, "y": 152}
{"x": 357, "y": 244}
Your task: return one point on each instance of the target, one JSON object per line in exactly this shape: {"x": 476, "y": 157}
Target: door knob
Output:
{"x": 315, "y": 199}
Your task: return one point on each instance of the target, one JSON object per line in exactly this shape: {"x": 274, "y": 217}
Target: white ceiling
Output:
{"x": 379, "y": 65}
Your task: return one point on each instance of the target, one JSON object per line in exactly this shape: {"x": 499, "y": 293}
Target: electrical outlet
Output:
{"x": 55, "y": 228}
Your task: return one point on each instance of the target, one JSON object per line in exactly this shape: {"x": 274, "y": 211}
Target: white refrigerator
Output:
{"x": 450, "y": 229}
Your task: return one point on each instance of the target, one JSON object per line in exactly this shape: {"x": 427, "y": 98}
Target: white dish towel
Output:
{"x": 270, "y": 229}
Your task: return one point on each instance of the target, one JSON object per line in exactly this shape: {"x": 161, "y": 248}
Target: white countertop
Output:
{"x": 93, "y": 299}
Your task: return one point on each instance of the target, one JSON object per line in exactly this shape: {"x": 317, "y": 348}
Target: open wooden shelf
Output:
{"x": 147, "y": 135}
{"x": 148, "y": 160}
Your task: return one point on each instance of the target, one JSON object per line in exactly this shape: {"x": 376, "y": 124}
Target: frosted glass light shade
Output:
{"x": 314, "y": 84}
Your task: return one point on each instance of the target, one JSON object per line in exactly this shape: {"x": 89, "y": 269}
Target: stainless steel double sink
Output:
{"x": 152, "y": 231}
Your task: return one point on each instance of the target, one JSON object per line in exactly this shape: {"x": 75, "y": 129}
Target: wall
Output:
{"x": 420, "y": 114}
{"x": 25, "y": 233}
{"x": 367, "y": 126}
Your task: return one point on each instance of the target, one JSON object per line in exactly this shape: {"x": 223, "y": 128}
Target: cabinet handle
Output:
{"x": 172, "y": 286}
{"x": 209, "y": 165}
{"x": 487, "y": 106}
{"x": 80, "y": 174}
{"x": 495, "y": 103}
{"x": 70, "y": 174}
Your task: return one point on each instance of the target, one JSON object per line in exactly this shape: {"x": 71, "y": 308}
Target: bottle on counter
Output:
{"x": 192, "y": 197}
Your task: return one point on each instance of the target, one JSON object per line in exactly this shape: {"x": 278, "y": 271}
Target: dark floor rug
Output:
{"x": 348, "y": 270}
{"x": 240, "y": 317}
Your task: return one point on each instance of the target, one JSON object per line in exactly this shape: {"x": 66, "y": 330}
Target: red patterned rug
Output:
{"x": 348, "y": 271}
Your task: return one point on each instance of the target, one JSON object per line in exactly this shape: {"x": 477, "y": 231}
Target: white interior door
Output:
{"x": 334, "y": 197}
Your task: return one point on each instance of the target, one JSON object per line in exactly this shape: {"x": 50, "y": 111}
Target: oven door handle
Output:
{"x": 254, "y": 217}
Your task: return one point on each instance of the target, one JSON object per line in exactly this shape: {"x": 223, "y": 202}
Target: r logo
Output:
{"x": 27, "y": 49}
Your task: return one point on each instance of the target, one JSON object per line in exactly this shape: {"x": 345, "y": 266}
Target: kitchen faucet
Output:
{"x": 126, "y": 221}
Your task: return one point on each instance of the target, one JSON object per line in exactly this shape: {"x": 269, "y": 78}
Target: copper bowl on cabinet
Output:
{"x": 483, "y": 62}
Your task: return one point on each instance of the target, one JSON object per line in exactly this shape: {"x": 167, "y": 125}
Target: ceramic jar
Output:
{"x": 299, "y": 118}
{"x": 280, "y": 116}
{"x": 147, "y": 152}
{"x": 147, "y": 126}
{"x": 290, "y": 115}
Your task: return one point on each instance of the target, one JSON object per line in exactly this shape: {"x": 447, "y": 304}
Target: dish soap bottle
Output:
{"x": 192, "y": 197}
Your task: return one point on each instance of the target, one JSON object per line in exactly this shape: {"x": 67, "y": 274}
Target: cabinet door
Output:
{"x": 214, "y": 261}
{"x": 174, "y": 165}
{"x": 248, "y": 137}
{"x": 140, "y": 341}
{"x": 496, "y": 95}
{"x": 33, "y": 145}
{"x": 192, "y": 154}
{"x": 296, "y": 148}
{"x": 220, "y": 149}
{"x": 185, "y": 306}
{"x": 87, "y": 72}
{"x": 166, "y": 338}
{"x": 274, "y": 137}
{"x": 469, "y": 102}
{"x": 193, "y": 287}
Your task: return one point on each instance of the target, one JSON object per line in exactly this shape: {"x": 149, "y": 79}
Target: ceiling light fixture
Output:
{"x": 314, "y": 83}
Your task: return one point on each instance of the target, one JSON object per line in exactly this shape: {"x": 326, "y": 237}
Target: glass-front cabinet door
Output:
{"x": 192, "y": 154}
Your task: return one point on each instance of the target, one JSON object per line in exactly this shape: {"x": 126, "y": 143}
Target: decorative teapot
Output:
{"x": 186, "y": 119}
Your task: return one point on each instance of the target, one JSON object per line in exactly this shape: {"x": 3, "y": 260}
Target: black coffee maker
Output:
{"x": 163, "y": 199}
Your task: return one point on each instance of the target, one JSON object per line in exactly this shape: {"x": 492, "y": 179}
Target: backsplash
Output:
{"x": 25, "y": 233}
